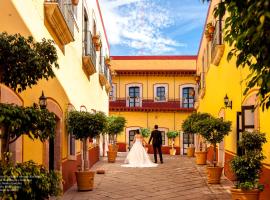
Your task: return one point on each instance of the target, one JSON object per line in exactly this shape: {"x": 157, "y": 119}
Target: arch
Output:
{"x": 251, "y": 99}
{"x": 55, "y": 143}
{"x": 7, "y": 95}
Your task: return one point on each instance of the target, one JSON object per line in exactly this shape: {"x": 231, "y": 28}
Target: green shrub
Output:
{"x": 29, "y": 180}
{"x": 247, "y": 167}
{"x": 145, "y": 132}
{"x": 172, "y": 134}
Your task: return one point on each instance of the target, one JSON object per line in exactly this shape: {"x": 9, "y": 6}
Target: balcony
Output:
{"x": 217, "y": 49}
{"x": 102, "y": 73}
{"x": 89, "y": 55}
{"x": 108, "y": 84}
{"x": 149, "y": 105}
{"x": 59, "y": 20}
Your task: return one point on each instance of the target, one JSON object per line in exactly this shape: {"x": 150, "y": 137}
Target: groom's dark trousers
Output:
{"x": 155, "y": 148}
{"x": 157, "y": 143}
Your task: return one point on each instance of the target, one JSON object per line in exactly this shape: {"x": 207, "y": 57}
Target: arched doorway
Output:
{"x": 8, "y": 96}
{"x": 52, "y": 147}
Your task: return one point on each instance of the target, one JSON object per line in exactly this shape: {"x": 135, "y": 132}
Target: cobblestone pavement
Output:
{"x": 179, "y": 178}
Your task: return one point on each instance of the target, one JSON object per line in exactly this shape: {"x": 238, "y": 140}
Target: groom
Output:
{"x": 157, "y": 143}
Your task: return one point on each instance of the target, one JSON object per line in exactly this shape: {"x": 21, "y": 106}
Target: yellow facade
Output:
{"x": 147, "y": 73}
{"x": 221, "y": 78}
{"x": 78, "y": 82}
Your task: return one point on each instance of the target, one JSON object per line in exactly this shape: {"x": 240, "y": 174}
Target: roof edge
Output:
{"x": 158, "y": 57}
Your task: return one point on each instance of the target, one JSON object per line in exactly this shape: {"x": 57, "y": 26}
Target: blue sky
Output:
{"x": 154, "y": 27}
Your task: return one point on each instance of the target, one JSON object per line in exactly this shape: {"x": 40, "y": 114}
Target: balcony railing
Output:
{"x": 149, "y": 105}
{"x": 217, "y": 48}
{"x": 89, "y": 54}
{"x": 60, "y": 16}
{"x": 89, "y": 47}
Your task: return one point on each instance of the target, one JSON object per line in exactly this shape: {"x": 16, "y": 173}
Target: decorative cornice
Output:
{"x": 156, "y": 72}
{"x": 159, "y": 57}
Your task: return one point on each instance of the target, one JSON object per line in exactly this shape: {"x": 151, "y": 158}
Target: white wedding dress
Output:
{"x": 138, "y": 157}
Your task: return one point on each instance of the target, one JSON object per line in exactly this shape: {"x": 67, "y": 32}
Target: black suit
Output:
{"x": 157, "y": 143}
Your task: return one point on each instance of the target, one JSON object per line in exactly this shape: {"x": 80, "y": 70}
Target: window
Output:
{"x": 160, "y": 92}
{"x": 134, "y": 96}
{"x": 71, "y": 145}
{"x": 112, "y": 94}
{"x": 188, "y": 97}
{"x": 71, "y": 139}
{"x": 163, "y": 137}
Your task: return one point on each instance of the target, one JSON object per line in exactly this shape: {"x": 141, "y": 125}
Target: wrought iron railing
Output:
{"x": 89, "y": 47}
{"x": 217, "y": 36}
{"x": 66, "y": 8}
{"x": 171, "y": 104}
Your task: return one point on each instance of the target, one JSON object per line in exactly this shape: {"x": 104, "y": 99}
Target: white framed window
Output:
{"x": 112, "y": 94}
{"x": 188, "y": 94}
{"x": 71, "y": 147}
{"x": 134, "y": 95}
{"x": 130, "y": 133}
{"x": 160, "y": 92}
{"x": 164, "y": 135}
{"x": 71, "y": 140}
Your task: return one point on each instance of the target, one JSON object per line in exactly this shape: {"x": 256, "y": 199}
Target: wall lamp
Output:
{"x": 227, "y": 102}
{"x": 42, "y": 101}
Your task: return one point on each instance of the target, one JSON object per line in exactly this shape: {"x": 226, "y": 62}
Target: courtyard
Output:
{"x": 178, "y": 178}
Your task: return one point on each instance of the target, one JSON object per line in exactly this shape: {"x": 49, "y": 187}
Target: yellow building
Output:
{"x": 219, "y": 79}
{"x": 81, "y": 82}
{"x": 149, "y": 90}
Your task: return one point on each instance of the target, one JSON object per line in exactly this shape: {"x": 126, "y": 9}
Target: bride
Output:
{"x": 137, "y": 156}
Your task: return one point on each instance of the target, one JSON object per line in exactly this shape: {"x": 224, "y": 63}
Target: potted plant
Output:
{"x": 145, "y": 134}
{"x": 84, "y": 125}
{"x": 214, "y": 130}
{"x": 172, "y": 135}
{"x": 96, "y": 39}
{"x": 75, "y": 2}
{"x": 208, "y": 35}
{"x": 108, "y": 60}
{"x": 115, "y": 125}
{"x": 247, "y": 167}
{"x": 210, "y": 28}
{"x": 189, "y": 127}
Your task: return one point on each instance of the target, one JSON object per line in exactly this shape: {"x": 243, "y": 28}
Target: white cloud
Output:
{"x": 139, "y": 24}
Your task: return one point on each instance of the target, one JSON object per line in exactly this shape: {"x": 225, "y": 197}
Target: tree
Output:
{"x": 23, "y": 62}
{"x": 189, "y": 124}
{"x": 84, "y": 125}
{"x": 247, "y": 31}
{"x": 214, "y": 130}
{"x": 17, "y": 120}
{"x": 115, "y": 126}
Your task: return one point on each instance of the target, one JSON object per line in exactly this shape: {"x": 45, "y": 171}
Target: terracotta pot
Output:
{"x": 201, "y": 157}
{"x": 75, "y": 2}
{"x": 96, "y": 39}
{"x": 98, "y": 47}
{"x": 107, "y": 61}
{"x": 172, "y": 152}
{"x": 85, "y": 180}
{"x": 211, "y": 29}
{"x": 214, "y": 174}
{"x": 113, "y": 147}
{"x": 112, "y": 156}
{"x": 190, "y": 151}
{"x": 238, "y": 194}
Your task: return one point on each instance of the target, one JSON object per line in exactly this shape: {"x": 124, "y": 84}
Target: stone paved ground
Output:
{"x": 179, "y": 178}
